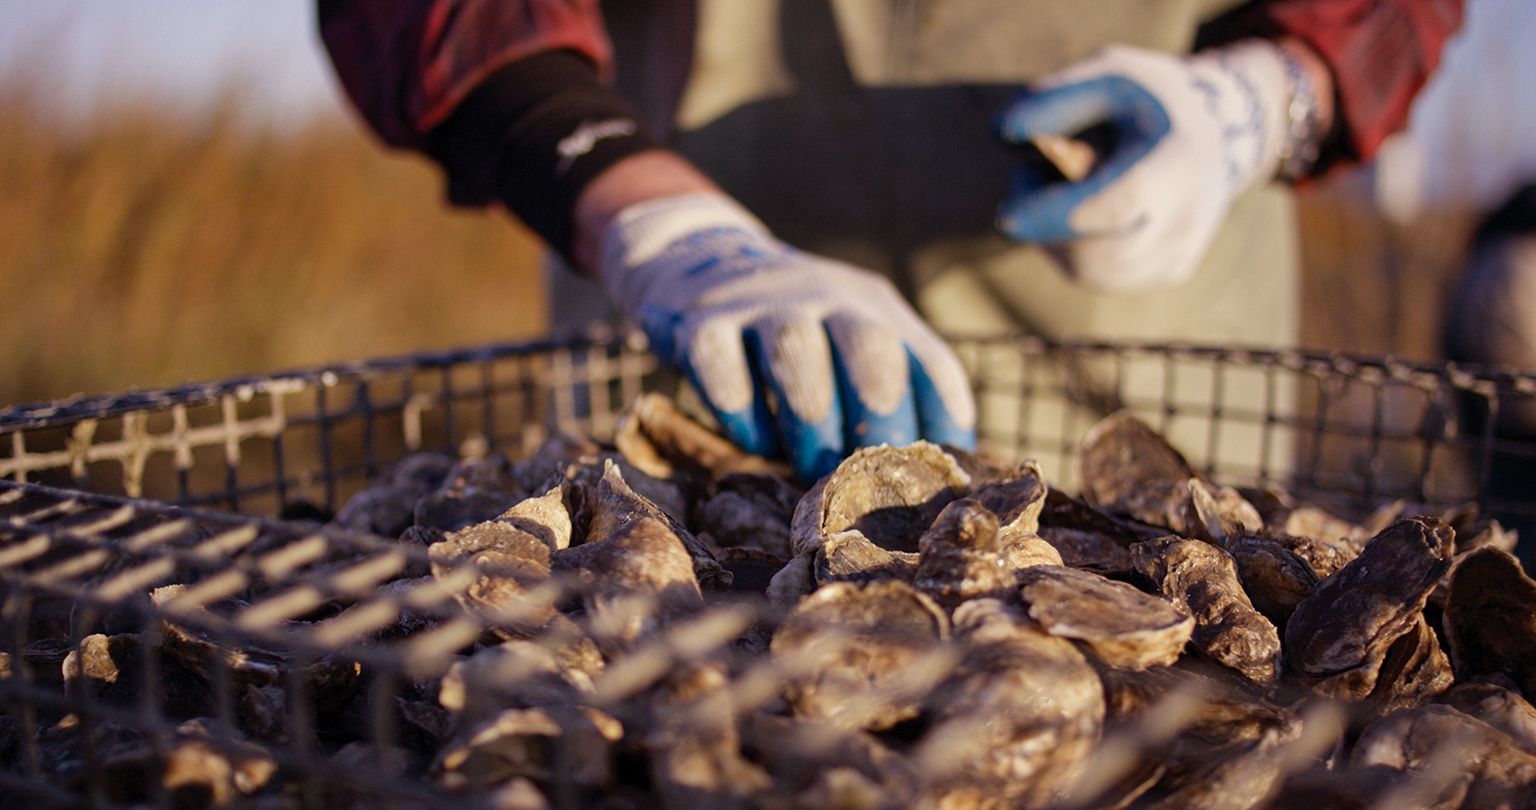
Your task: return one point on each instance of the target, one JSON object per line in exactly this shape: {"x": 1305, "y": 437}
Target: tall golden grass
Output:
{"x": 145, "y": 248}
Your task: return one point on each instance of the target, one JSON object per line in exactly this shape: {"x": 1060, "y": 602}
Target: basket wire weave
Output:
{"x": 218, "y": 486}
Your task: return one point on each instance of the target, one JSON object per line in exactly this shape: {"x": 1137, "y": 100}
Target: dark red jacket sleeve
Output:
{"x": 1381, "y": 53}
{"x": 406, "y": 64}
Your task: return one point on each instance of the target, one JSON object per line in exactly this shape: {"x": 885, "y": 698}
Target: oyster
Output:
{"x": 1338, "y": 639}
{"x": 510, "y": 557}
{"x": 387, "y": 506}
{"x": 1019, "y": 715}
{"x": 1087, "y": 538}
{"x": 1129, "y": 469}
{"x": 474, "y": 490}
{"x": 1119, "y": 624}
{"x": 1498, "y": 706}
{"x": 1490, "y": 618}
{"x": 615, "y": 505}
{"x": 1450, "y": 753}
{"x": 868, "y": 653}
{"x": 1202, "y": 580}
{"x": 890, "y": 495}
{"x": 1275, "y": 578}
{"x": 657, "y": 437}
{"x": 752, "y": 511}
{"x": 693, "y": 744}
{"x": 960, "y": 557}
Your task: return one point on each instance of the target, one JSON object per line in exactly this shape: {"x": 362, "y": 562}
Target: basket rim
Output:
{"x": 1484, "y": 380}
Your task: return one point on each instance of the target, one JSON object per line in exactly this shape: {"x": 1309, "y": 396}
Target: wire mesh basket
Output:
{"x": 192, "y": 520}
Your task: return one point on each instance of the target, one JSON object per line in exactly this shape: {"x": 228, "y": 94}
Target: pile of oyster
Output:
{"x": 671, "y": 622}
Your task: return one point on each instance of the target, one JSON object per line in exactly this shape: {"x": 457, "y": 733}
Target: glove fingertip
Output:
{"x": 934, "y": 416}
{"x": 750, "y": 428}
{"x": 814, "y": 449}
{"x": 898, "y": 428}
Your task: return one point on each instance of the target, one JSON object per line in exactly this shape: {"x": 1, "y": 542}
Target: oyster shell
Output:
{"x": 862, "y": 650}
{"x": 1450, "y": 753}
{"x": 615, "y": 505}
{"x": 657, "y": 437}
{"x": 474, "y": 490}
{"x": 1202, "y": 580}
{"x": 753, "y": 511}
{"x": 891, "y": 495}
{"x": 1127, "y": 468}
{"x": 1275, "y": 578}
{"x": 1498, "y": 706}
{"x": 1216, "y": 513}
{"x": 387, "y": 506}
{"x": 1338, "y": 638}
{"x": 1020, "y": 714}
{"x": 960, "y": 556}
{"x": 1490, "y": 618}
{"x": 1118, "y": 624}
{"x": 693, "y": 744}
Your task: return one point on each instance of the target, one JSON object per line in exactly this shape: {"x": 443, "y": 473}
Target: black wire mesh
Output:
{"x": 188, "y": 520}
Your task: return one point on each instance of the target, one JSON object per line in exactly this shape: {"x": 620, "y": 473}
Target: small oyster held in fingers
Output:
{"x": 1202, "y": 579}
{"x": 1119, "y": 624}
{"x": 656, "y": 436}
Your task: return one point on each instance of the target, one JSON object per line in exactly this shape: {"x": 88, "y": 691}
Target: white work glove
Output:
{"x": 1186, "y": 136}
{"x": 797, "y": 354}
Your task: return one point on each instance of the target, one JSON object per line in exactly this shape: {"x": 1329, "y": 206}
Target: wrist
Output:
{"x": 638, "y": 234}
{"x": 652, "y": 175}
{"x": 1309, "y": 110}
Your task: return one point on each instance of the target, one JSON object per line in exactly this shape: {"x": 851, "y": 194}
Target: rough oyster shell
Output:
{"x": 1202, "y": 580}
{"x": 1490, "y": 618}
{"x": 1338, "y": 639}
{"x": 1118, "y": 624}
{"x": 867, "y": 651}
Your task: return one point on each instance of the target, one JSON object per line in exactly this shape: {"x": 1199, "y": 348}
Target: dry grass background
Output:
{"x": 144, "y": 249}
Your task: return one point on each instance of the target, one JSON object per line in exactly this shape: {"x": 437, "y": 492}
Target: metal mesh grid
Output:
{"x": 111, "y": 500}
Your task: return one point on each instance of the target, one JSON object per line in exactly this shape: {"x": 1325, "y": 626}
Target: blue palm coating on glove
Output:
{"x": 796, "y": 354}
{"x": 934, "y": 418}
{"x": 1039, "y": 212}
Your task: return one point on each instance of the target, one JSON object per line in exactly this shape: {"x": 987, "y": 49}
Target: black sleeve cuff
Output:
{"x": 532, "y": 135}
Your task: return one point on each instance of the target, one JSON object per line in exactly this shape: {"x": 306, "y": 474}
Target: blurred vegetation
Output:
{"x": 143, "y": 249}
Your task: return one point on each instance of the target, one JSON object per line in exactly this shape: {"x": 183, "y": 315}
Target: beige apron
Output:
{"x": 863, "y": 129}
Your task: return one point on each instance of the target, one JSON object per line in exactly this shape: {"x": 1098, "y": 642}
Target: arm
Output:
{"x": 796, "y": 354}
{"x": 1189, "y": 134}
{"x": 1377, "y": 54}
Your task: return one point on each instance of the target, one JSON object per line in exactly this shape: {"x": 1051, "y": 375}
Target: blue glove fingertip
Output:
{"x": 814, "y": 448}
{"x": 750, "y": 428}
{"x": 937, "y": 423}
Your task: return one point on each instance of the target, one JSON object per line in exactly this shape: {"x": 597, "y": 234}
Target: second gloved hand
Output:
{"x": 1182, "y": 136}
{"x": 796, "y": 354}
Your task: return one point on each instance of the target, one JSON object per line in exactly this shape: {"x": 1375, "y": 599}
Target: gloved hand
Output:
{"x": 1184, "y": 137}
{"x": 795, "y": 353}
